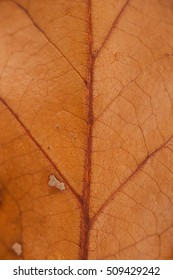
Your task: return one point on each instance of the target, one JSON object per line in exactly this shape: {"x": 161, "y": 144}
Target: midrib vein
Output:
{"x": 85, "y": 219}
{"x": 84, "y": 238}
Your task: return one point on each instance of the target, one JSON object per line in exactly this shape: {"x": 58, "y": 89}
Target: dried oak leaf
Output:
{"x": 86, "y": 95}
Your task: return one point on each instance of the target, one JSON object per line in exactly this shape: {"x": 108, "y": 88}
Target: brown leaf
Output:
{"x": 86, "y": 106}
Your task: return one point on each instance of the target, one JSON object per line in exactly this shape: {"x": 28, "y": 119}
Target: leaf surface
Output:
{"x": 86, "y": 95}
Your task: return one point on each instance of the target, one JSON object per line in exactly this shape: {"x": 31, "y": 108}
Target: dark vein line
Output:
{"x": 121, "y": 187}
{"x": 111, "y": 29}
{"x": 76, "y": 195}
{"x": 84, "y": 236}
{"x": 85, "y": 219}
{"x": 46, "y": 36}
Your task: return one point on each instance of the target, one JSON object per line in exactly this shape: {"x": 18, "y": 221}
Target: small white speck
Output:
{"x": 17, "y": 248}
{"x": 53, "y": 182}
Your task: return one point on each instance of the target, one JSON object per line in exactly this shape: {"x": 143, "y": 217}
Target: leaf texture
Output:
{"x": 86, "y": 95}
